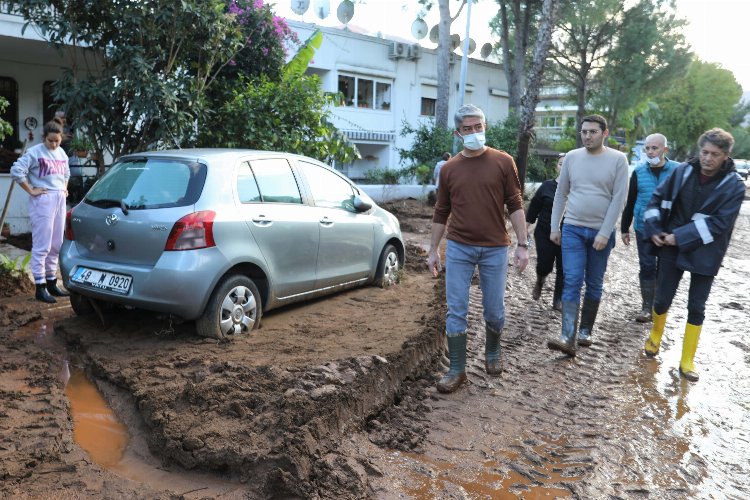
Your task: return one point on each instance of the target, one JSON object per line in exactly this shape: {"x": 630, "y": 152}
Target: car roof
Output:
{"x": 215, "y": 154}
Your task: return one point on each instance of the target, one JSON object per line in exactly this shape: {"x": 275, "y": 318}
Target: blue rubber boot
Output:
{"x": 567, "y": 341}
{"x": 457, "y": 373}
{"x": 492, "y": 363}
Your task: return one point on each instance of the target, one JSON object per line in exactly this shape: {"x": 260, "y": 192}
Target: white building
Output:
{"x": 556, "y": 111}
{"x": 385, "y": 82}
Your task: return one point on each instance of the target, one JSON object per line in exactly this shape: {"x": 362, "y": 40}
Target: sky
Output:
{"x": 717, "y": 29}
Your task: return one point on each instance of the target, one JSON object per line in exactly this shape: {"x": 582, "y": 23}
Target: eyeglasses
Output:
{"x": 591, "y": 132}
{"x": 479, "y": 127}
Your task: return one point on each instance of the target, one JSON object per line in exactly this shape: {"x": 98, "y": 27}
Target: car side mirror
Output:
{"x": 361, "y": 205}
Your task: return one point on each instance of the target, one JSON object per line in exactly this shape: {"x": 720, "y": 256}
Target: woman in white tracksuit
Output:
{"x": 43, "y": 172}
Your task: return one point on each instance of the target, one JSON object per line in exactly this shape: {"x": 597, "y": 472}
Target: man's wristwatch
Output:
{"x": 524, "y": 245}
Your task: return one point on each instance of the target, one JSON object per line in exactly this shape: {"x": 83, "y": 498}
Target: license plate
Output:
{"x": 104, "y": 280}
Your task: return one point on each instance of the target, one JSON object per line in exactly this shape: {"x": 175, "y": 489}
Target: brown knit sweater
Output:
{"x": 474, "y": 191}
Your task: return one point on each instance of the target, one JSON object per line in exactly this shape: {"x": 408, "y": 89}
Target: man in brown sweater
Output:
{"x": 475, "y": 187}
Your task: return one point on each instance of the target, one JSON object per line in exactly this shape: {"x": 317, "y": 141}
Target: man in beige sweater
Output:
{"x": 591, "y": 192}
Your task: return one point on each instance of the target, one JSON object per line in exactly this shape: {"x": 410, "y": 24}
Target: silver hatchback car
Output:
{"x": 219, "y": 236}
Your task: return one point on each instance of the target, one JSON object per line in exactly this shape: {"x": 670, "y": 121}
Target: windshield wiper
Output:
{"x": 124, "y": 207}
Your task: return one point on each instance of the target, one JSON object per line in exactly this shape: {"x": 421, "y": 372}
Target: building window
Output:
{"x": 365, "y": 92}
{"x": 346, "y": 89}
{"x": 428, "y": 107}
{"x": 9, "y": 90}
{"x": 383, "y": 95}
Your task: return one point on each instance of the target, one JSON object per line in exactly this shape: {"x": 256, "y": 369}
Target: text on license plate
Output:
{"x": 105, "y": 280}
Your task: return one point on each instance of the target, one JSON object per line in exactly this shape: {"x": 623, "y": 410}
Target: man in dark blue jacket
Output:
{"x": 690, "y": 220}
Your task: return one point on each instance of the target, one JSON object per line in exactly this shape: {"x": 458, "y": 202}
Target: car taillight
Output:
{"x": 193, "y": 231}
{"x": 69, "y": 226}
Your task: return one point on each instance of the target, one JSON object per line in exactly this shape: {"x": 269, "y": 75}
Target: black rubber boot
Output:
{"x": 557, "y": 295}
{"x": 567, "y": 341}
{"x": 492, "y": 361}
{"x": 457, "y": 373}
{"x": 537, "y": 291}
{"x": 588, "y": 316}
{"x": 54, "y": 290}
{"x": 42, "y": 295}
{"x": 648, "y": 289}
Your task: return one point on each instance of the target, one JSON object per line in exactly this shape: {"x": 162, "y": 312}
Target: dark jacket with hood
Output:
{"x": 702, "y": 237}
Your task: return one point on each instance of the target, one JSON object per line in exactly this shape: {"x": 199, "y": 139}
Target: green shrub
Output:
{"x": 13, "y": 266}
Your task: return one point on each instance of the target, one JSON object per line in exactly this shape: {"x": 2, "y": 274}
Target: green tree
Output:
{"x": 704, "y": 99}
{"x": 584, "y": 35}
{"x": 428, "y": 144}
{"x": 146, "y": 66}
{"x": 5, "y": 128}
{"x": 648, "y": 53}
{"x": 288, "y": 115}
{"x": 515, "y": 24}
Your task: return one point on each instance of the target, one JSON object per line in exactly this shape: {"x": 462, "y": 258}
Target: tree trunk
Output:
{"x": 534, "y": 84}
{"x": 509, "y": 63}
{"x": 581, "y": 108}
{"x": 443, "y": 68}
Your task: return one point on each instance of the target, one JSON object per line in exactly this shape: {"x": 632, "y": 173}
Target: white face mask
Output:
{"x": 475, "y": 142}
{"x": 654, "y": 161}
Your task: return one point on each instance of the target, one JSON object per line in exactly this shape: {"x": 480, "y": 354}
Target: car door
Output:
{"x": 346, "y": 237}
{"x": 285, "y": 229}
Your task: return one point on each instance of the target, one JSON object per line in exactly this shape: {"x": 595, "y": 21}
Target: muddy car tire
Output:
{"x": 81, "y": 305}
{"x": 389, "y": 267}
{"x": 234, "y": 308}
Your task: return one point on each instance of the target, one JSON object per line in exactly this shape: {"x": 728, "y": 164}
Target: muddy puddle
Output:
{"x": 95, "y": 426}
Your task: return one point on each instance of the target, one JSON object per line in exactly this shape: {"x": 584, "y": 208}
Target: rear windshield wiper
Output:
{"x": 110, "y": 203}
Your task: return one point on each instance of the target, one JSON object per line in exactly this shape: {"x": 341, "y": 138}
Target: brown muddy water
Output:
{"x": 96, "y": 428}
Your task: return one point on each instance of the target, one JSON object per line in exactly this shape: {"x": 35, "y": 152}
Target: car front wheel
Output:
{"x": 234, "y": 308}
{"x": 388, "y": 272}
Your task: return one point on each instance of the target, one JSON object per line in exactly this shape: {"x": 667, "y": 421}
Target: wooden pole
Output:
{"x": 7, "y": 203}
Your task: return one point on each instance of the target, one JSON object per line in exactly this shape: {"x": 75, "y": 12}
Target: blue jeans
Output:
{"x": 646, "y": 261}
{"x": 460, "y": 261}
{"x": 581, "y": 262}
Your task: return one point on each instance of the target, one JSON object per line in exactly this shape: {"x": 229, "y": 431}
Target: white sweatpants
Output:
{"x": 47, "y": 215}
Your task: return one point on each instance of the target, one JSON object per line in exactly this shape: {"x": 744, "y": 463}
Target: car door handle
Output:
{"x": 326, "y": 221}
{"x": 262, "y": 220}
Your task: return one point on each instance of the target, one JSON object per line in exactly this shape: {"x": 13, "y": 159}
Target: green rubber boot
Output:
{"x": 457, "y": 372}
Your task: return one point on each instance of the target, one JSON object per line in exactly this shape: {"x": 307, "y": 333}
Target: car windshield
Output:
{"x": 147, "y": 183}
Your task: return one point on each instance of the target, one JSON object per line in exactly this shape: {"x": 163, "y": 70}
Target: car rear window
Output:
{"x": 147, "y": 183}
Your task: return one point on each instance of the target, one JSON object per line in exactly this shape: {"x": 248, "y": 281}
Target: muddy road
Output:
{"x": 336, "y": 399}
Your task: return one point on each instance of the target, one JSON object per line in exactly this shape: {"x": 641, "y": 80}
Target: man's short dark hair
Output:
{"x": 596, "y": 119}
{"x": 719, "y": 138}
{"x": 446, "y": 156}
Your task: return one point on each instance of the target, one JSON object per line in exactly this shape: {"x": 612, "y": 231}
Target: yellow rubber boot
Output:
{"x": 657, "y": 330}
{"x": 689, "y": 346}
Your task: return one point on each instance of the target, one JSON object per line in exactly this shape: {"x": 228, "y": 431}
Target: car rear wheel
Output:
{"x": 389, "y": 267}
{"x": 81, "y": 305}
{"x": 234, "y": 308}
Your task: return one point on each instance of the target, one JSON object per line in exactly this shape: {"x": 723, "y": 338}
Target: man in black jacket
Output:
{"x": 690, "y": 219}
